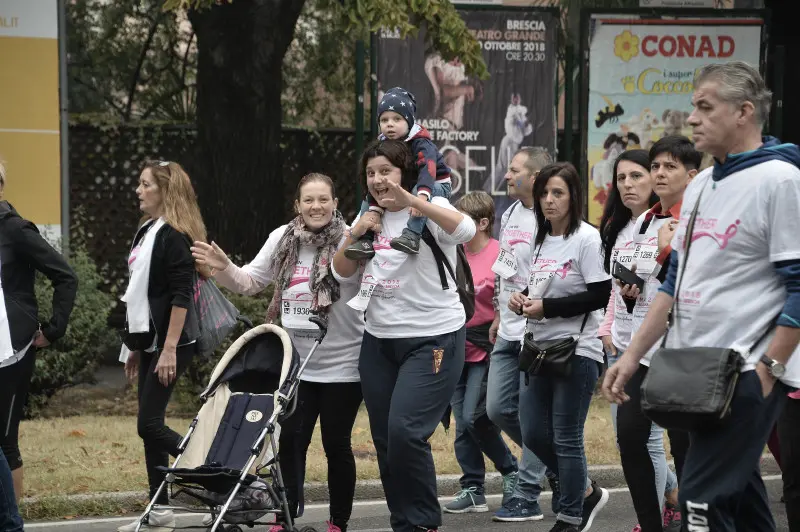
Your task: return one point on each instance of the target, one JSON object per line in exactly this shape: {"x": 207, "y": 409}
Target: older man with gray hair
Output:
{"x": 740, "y": 286}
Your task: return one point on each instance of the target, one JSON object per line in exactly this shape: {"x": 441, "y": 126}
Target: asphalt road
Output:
{"x": 372, "y": 516}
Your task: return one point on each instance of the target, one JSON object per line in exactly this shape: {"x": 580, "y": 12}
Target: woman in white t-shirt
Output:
{"x": 631, "y": 196}
{"x": 296, "y": 259}
{"x": 567, "y": 285}
{"x": 412, "y": 354}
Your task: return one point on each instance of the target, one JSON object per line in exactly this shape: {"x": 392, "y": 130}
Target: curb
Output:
{"x": 607, "y": 476}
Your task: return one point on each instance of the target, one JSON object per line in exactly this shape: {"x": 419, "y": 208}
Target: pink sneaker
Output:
{"x": 332, "y": 527}
{"x": 276, "y": 528}
{"x": 637, "y": 528}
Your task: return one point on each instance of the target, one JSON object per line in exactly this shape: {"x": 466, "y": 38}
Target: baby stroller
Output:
{"x": 228, "y": 460}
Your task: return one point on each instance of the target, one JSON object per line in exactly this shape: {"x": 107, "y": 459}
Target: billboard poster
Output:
{"x": 641, "y": 79}
{"x": 478, "y": 125}
{"x": 29, "y": 110}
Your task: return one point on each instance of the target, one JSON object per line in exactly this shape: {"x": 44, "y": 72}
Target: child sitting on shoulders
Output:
{"x": 397, "y": 121}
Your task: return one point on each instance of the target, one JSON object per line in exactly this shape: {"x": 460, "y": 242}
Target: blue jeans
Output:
{"x": 417, "y": 223}
{"x": 502, "y": 405}
{"x": 553, "y": 413}
{"x": 666, "y": 481}
{"x": 476, "y": 435}
{"x": 10, "y": 521}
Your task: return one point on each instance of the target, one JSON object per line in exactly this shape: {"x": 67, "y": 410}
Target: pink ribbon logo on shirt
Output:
{"x": 721, "y": 239}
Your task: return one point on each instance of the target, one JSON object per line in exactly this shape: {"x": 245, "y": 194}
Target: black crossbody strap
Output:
{"x": 687, "y": 243}
{"x": 441, "y": 259}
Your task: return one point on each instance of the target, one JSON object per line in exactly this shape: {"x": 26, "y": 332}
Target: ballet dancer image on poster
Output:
{"x": 517, "y": 127}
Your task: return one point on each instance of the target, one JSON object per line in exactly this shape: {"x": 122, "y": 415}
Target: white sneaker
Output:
{"x": 156, "y": 522}
{"x": 208, "y": 520}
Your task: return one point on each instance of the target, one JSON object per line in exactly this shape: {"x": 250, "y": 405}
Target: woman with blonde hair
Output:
{"x": 158, "y": 348}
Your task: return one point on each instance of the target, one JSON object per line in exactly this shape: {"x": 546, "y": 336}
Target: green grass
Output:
{"x": 100, "y": 451}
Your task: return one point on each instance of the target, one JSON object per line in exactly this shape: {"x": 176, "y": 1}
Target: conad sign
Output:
{"x": 29, "y": 110}
{"x": 721, "y": 46}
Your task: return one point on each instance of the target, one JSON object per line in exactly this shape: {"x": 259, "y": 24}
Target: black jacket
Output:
{"x": 171, "y": 277}
{"x": 22, "y": 252}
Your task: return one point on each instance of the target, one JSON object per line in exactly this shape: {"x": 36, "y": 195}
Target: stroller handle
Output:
{"x": 322, "y": 323}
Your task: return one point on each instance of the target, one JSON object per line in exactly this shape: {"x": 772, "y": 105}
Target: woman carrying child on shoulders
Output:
{"x": 412, "y": 354}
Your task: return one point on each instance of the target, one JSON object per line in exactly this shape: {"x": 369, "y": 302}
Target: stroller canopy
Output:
{"x": 259, "y": 361}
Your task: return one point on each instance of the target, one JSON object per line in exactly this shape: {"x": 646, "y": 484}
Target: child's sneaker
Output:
{"x": 332, "y": 527}
{"x": 408, "y": 242}
{"x": 361, "y": 249}
{"x": 467, "y": 500}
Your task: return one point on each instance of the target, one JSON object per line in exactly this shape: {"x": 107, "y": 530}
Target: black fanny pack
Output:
{"x": 552, "y": 358}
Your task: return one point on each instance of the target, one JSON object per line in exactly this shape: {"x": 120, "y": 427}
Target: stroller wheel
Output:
{"x": 233, "y": 529}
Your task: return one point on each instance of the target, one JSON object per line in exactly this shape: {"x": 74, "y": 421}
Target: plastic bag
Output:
{"x": 214, "y": 317}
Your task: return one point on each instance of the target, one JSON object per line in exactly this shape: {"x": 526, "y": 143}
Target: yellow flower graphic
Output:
{"x": 626, "y": 45}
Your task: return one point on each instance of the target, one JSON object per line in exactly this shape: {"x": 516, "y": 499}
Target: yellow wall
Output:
{"x": 29, "y": 108}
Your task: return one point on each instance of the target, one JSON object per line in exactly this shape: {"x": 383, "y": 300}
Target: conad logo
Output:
{"x": 699, "y": 46}
{"x": 627, "y": 46}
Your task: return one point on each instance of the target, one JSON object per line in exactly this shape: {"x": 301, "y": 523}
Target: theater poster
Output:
{"x": 641, "y": 79}
{"x": 478, "y": 125}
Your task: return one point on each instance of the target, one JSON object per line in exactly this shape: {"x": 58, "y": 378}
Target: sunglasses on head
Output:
{"x": 162, "y": 163}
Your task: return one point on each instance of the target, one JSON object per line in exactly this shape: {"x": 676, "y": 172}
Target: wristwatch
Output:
{"x": 776, "y": 369}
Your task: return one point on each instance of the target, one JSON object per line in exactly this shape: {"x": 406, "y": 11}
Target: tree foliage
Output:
{"x": 446, "y": 31}
{"x": 130, "y": 60}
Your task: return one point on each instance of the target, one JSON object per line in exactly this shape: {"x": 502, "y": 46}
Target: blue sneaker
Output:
{"x": 518, "y": 510}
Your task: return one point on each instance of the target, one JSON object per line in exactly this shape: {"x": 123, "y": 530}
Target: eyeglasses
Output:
{"x": 163, "y": 163}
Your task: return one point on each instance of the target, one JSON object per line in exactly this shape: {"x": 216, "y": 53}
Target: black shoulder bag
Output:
{"x": 552, "y": 358}
{"x": 691, "y": 388}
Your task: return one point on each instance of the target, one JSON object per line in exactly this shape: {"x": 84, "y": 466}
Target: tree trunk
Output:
{"x": 237, "y": 166}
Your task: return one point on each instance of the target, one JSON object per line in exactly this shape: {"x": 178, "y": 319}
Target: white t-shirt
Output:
{"x": 731, "y": 292}
{"x": 407, "y": 300}
{"x": 644, "y": 257}
{"x": 561, "y": 268}
{"x": 517, "y": 229}
{"x": 336, "y": 359}
{"x": 622, "y": 252}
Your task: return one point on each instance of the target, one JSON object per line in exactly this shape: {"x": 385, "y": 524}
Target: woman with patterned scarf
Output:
{"x": 296, "y": 258}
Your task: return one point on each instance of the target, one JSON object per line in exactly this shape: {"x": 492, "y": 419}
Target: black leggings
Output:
{"x": 633, "y": 434}
{"x": 336, "y": 405}
{"x": 16, "y": 381}
{"x": 160, "y": 441}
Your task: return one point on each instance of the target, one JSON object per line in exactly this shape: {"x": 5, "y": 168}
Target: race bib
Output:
{"x": 381, "y": 270}
{"x": 296, "y": 309}
{"x": 625, "y": 257}
{"x": 361, "y": 300}
{"x": 506, "y": 264}
{"x": 644, "y": 256}
{"x": 538, "y": 284}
